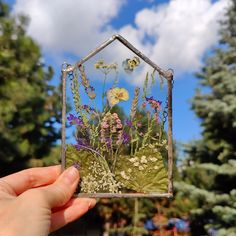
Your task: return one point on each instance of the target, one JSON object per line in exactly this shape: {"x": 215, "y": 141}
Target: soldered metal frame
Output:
{"x": 67, "y": 69}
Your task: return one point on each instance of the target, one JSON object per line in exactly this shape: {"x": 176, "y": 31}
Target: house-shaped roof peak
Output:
{"x": 168, "y": 74}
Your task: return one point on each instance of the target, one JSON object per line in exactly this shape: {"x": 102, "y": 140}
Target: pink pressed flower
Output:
{"x": 113, "y": 130}
{"x": 115, "y": 115}
{"x": 155, "y": 104}
{"x": 119, "y": 126}
{"x": 104, "y": 125}
{"x": 139, "y": 124}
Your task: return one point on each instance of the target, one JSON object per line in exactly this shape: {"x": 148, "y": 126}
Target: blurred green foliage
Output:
{"x": 29, "y": 107}
{"x": 209, "y": 172}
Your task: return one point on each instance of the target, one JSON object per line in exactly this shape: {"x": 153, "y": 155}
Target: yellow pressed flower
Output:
{"x": 115, "y": 95}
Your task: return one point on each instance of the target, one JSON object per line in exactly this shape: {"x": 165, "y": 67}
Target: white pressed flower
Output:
{"x": 151, "y": 146}
{"x": 155, "y": 167}
{"x": 153, "y": 159}
{"x": 134, "y": 159}
{"x": 167, "y": 147}
{"x": 123, "y": 175}
{"x": 164, "y": 141}
{"x": 143, "y": 159}
{"x": 136, "y": 163}
{"x": 145, "y": 166}
{"x": 141, "y": 168}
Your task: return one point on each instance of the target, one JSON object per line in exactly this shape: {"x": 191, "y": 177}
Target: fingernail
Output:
{"x": 92, "y": 203}
{"x": 71, "y": 175}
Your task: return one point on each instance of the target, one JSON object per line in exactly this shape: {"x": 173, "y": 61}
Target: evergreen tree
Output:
{"x": 210, "y": 173}
{"x": 29, "y": 106}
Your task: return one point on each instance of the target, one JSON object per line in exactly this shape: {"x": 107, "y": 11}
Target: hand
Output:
{"x": 38, "y": 201}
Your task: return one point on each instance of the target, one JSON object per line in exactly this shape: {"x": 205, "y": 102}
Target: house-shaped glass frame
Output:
{"x": 167, "y": 74}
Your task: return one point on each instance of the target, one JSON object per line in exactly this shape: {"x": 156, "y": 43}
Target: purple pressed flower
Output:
{"x": 81, "y": 142}
{"x": 86, "y": 147}
{"x": 126, "y": 138}
{"x": 109, "y": 142}
{"x": 77, "y": 165}
{"x": 129, "y": 123}
{"x": 87, "y": 108}
{"x": 75, "y": 120}
{"x": 78, "y": 147}
{"x": 90, "y": 88}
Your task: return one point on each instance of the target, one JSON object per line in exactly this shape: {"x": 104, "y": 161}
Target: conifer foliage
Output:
{"x": 210, "y": 174}
{"x": 28, "y": 104}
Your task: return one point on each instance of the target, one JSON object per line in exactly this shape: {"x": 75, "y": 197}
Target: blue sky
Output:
{"x": 174, "y": 34}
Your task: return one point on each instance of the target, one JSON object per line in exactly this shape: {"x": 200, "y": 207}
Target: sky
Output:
{"x": 175, "y": 34}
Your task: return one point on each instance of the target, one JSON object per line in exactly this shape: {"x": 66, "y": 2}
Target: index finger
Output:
{"x": 31, "y": 178}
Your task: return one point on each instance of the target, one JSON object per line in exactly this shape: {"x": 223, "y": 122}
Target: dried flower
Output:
{"x": 155, "y": 104}
{"x": 87, "y": 108}
{"x": 143, "y": 159}
{"x": 141, "y": 168}
{"x": 100, "y": 64}
{"x": 75, "y": 120}
{"x": 153, "y": 159}
{"x": 85, "y": 82}
{"x": 115, "y": 95}
{"x": 133, "y": 159}
{"x": 134, "y": 103}
{"x": 90, "y": 91}
{"x": 136, "y": 164}
{"x": 123, "y": 175}
{"x": 111, "y": 127}
{"x": 130, "y": 64}
{"x": 129, "y": 123}
{"x": 126, "y": 137}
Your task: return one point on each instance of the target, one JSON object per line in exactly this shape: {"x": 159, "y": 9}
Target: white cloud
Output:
{"x": 179, "y": 32}
{"x": 72, "y": 25}
{"x": 182, "y": 31}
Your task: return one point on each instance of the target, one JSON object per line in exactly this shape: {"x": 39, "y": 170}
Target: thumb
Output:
{"x": 60, "y": 192}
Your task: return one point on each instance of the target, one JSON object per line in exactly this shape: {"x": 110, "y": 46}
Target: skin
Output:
{"x": 38, "y": 201}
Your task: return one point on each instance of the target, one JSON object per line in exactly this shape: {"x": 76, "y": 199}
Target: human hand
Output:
{"x": 38, "y": 201}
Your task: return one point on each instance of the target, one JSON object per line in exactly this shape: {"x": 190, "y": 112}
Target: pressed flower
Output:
{"x": 153, "y": 159}
{"x": 133, "y": 159}
{"x": 81, "y": 143}
{"x": 155, "y": 104}
{"x": 136, "y": 163}
{"x": 126, "y": 138}
{"x": 87, "y": 108}
{"x": 143, "y": 159}
{"x": 111, "y": 126}
{"x": 123, "y": 175}
{"x": 130, "y": 64}
{"x": 119, "y": 126}
{"x": 90, "y": 91}
{"x": 116, "y": 95}
{"x": 141, "y": 168}
{"x": 139, "y": 124}
{"x": 129, "y": 123}
{"x": 73, "y": 120}
{"x": 100, "y": 64}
